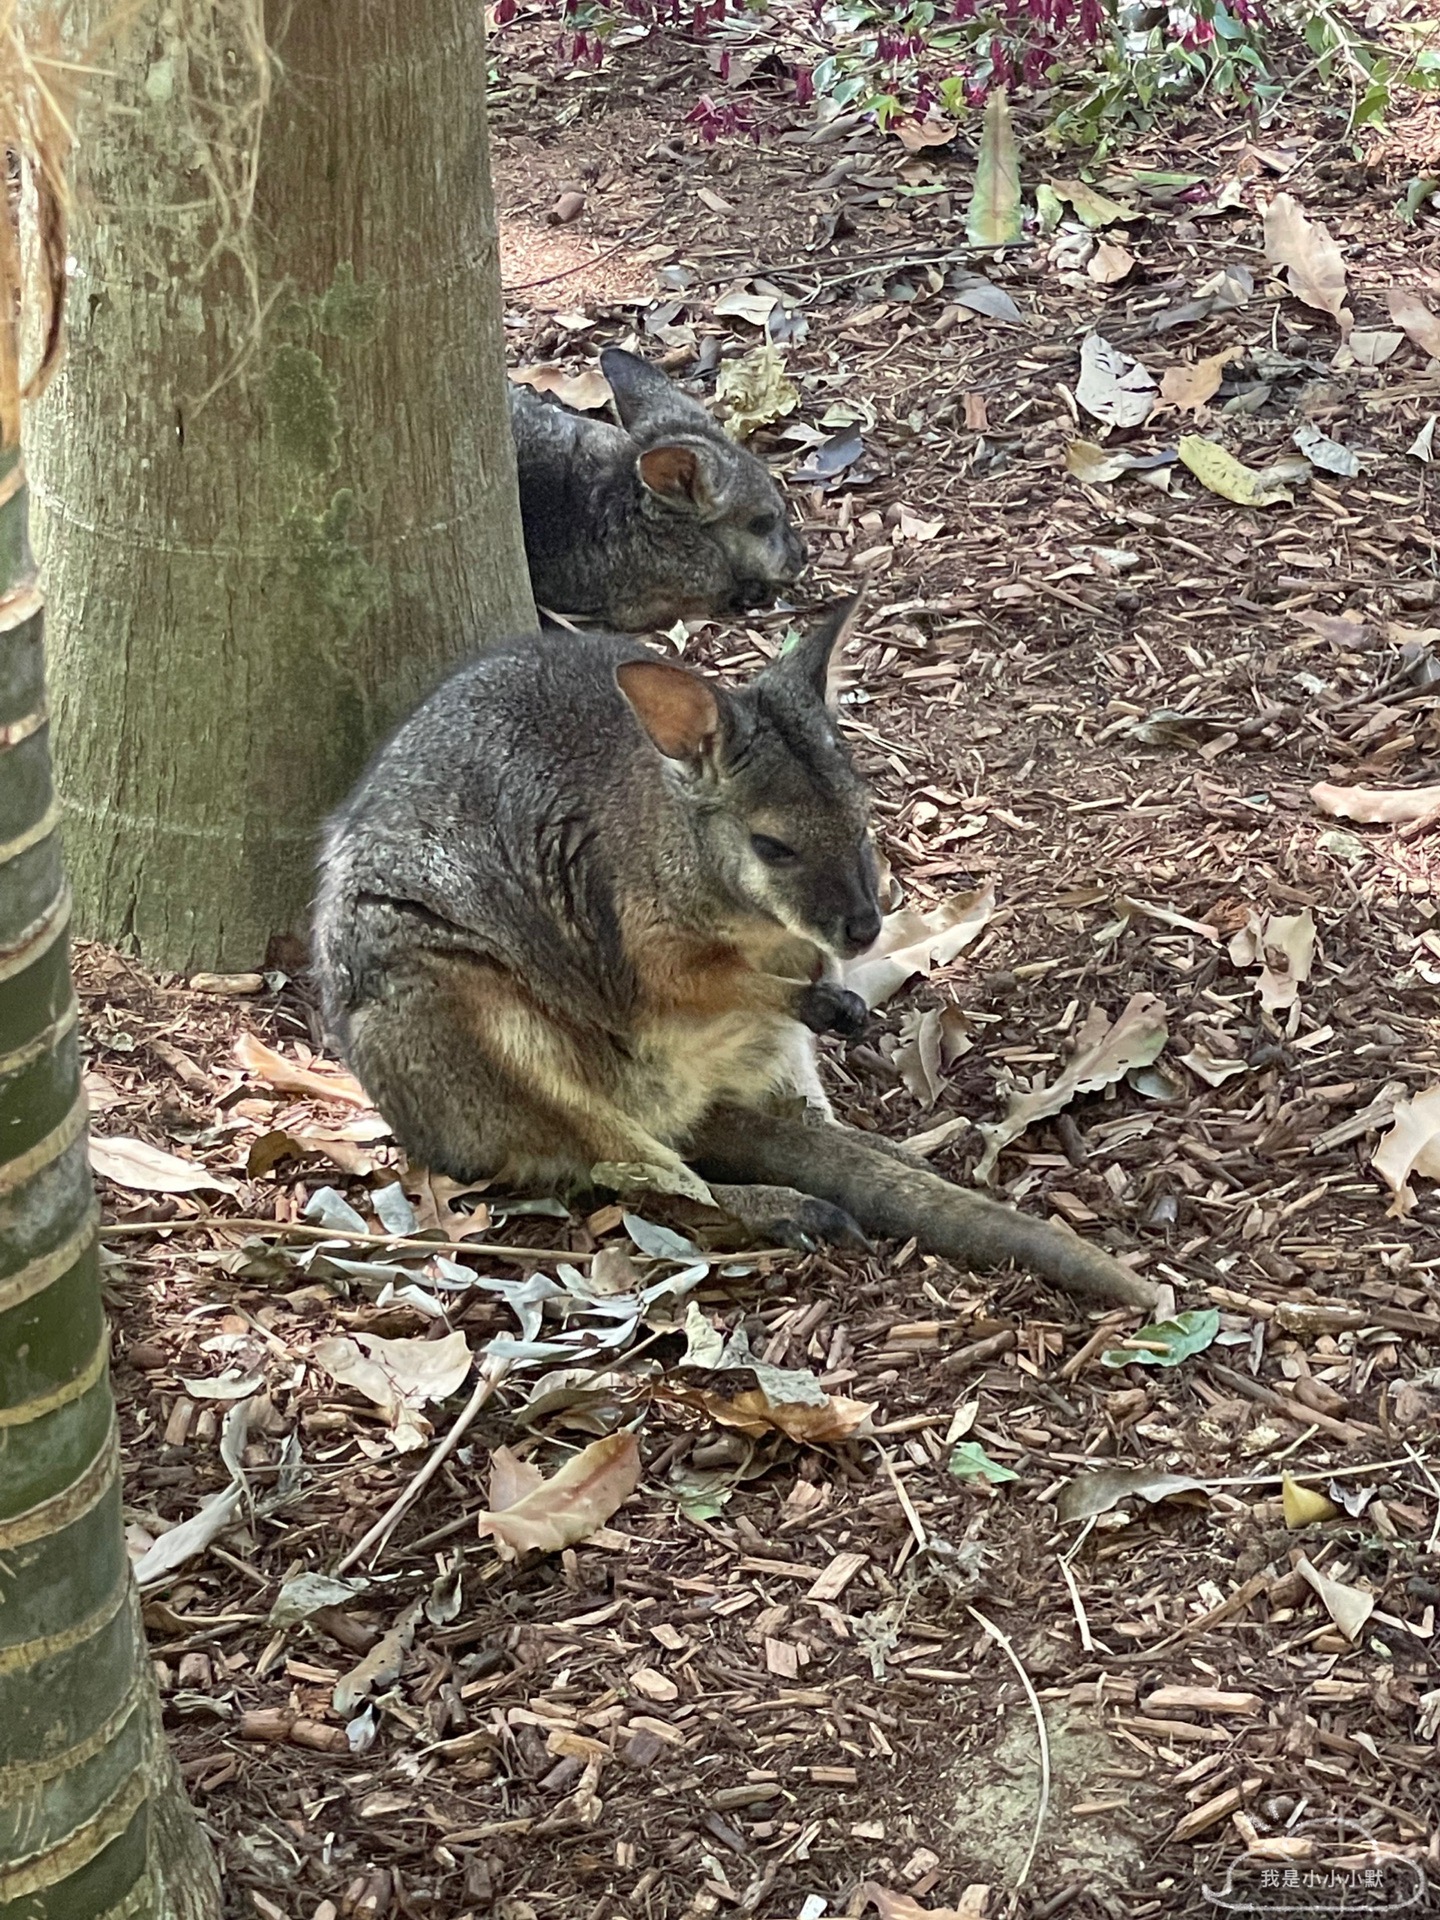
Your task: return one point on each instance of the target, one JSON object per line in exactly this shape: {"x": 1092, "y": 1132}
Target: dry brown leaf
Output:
{"x": 1413, "y": 316}
{"x": 916, "y": 135}
{"x": 399, "y": 1376}
{"x": 276, "y": 1071}
{"x": 1312, "y": 261}
{"x": 146, "y": 1169}
{"x": 380, "y": 1666}
{"x": 1348, "y": 1607}
{"x": 587, "y": 391}
{"x": 1189, "y": 385}
{"x": 1413, "y": 807}
{"x": 911, "y": 942}
{"x": 572, "y": 1504}
{"x": 1110, "y": 263}
{"x": 1411, "y": 1146}
{"x": 833, "y": 1419}
{"x": 1103, "y": 1055}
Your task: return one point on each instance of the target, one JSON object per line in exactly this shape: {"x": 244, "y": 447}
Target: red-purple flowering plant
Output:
{"x": 1097, "y": 64}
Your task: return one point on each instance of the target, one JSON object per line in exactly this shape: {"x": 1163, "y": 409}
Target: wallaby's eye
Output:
{"x": 763, "y": 524}
{"x": 774, "y": 853}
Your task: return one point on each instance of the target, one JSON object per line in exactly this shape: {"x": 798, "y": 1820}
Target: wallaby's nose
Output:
{"x": 862, "y": 929}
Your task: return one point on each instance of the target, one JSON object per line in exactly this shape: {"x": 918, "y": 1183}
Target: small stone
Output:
{"x": 568, "y": 207}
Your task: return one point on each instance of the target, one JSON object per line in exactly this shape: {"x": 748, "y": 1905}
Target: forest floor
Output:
{"x": 791, "y": 1679}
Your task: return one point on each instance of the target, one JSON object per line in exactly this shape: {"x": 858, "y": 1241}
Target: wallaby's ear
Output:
{"x": 638, "y": 387}
{"x": 676, "y": 473}
{"x": 678, "y": 709}
{"x": 813, "y": 663}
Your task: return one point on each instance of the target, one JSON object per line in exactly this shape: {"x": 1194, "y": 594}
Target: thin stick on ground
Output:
{"x": 393, "y": 1243}
{"x": 491, "y": 1374}
{"x": 1003, "y": 1642}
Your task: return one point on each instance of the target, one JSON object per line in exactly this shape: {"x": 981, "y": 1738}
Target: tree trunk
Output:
{"x": 274, "y": 484}
{"x": 93, "y": 1821}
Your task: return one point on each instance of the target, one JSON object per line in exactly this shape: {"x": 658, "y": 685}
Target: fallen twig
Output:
{"x": 490, "y": 1377}
{"x": 1002, "y": 1641}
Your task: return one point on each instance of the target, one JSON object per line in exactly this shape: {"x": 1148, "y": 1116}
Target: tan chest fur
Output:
{"x": 716, "y": 1025}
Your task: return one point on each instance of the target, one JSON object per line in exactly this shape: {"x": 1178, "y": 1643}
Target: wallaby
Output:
{"x": 580, "y": 920}
{"x": 662, "y": 518}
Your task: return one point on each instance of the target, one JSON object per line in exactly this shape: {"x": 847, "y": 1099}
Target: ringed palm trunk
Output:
{"x": 93, "y": 1821}
{"x": 274, "y": 483}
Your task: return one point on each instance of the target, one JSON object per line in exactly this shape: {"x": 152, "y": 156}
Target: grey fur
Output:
{"x": 604, "y": 545}
{"x": 511, "y": 832}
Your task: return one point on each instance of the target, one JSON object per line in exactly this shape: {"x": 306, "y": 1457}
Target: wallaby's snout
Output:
{"x": 844, "y": 904}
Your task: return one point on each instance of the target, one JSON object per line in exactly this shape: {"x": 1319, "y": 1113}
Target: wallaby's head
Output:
{"x": 781, "y": 818}
{"x": 689, "y": 468}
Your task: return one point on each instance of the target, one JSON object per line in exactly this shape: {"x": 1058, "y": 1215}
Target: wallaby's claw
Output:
{"x": 815, "y": 1223}
{"x": 829, "y": 1008}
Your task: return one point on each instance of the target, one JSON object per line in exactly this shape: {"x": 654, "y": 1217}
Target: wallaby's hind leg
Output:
{"x": 506, "y": 1094}
{"x": 893, "y": 1200}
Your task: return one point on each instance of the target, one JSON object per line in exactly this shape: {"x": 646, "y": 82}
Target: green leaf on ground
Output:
{"x": 969, "y": 1461}
{"x": 1168, "y": 1342}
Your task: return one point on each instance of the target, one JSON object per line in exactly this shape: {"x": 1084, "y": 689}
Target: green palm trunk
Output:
{"x": 93, "y": 1821}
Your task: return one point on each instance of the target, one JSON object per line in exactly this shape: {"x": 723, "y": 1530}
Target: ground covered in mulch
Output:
{"x": 794, "y": 1678}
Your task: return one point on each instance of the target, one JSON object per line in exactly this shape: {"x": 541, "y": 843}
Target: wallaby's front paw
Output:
{"x": 828, "y": 1007}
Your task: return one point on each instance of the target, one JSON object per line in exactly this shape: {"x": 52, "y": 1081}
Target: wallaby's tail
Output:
{"x": 894, "y": 1199}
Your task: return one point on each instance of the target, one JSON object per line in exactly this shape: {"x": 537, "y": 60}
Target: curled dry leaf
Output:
{"x": 264, "y": 1063}
{"x": 192, "y": 1536}
{"x": 1304, "y": 1506}
{"x": 399, "y": 1376}
{"x": 1110, "y": 263}
{"x": 380, "y": 1666}
{"x": 1374, "y": 347}
{"x": 1091, "y": 1493}
{"x": 1321, "y": 451}
{"x": 145, "y": 1169}
{"x": 911, "y": 942}
{"x": 1286, "y": 947}
{"x": 935, "y": 130}
{"x": 1411, "y": 1146}
{"x": 570, "y": 1506}
{"x": 1348, "y": 1607}
{"x": 1313, "y": 264}
{"x": 1103, "y": 1055}
{"x": 820, "y": 1424}
{"x": 587, "y": 392}
{"x": 1222, "y": 473}
{"x": 1093, "y": 208}
{"x": 1113, "y": 387}
{"x": 755, "y": 391}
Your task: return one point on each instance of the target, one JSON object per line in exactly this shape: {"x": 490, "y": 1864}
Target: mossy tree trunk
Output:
{"x": 274, "y": 484}
{"x": 93, "y": 1820}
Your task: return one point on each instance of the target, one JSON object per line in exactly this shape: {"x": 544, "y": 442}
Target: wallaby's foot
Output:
{"x": 827, "y": 1007}
{"x": 784, "y": 1217}
{"x": 891, "y": 1200}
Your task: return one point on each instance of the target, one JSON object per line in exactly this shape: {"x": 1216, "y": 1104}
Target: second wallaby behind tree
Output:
{"x": 662, "y": 518}
{"x": 580, "y": 920}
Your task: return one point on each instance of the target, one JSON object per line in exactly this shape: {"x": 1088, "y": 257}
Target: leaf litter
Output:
{"x": 1257, "y": 1193}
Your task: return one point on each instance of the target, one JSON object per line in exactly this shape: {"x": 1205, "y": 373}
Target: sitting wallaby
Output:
{"x": 580, "y": 919}
{"x": 662, "y": 518}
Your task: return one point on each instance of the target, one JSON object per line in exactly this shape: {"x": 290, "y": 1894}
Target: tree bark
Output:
{"x": 274, "y": 484}
{"x": 93, "y": 1821}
